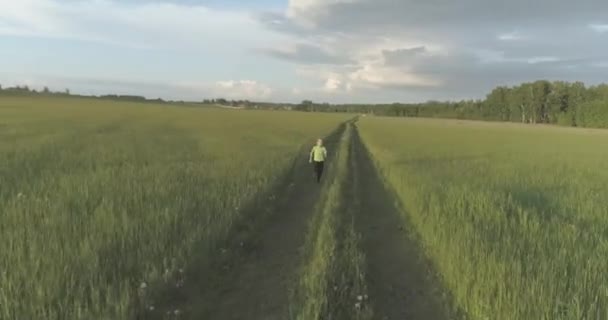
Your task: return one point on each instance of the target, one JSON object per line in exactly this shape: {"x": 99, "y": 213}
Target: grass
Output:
{"x": 514, "y": 218}
{"x": 100, "y": 200}
{"x": 331, "y": 282}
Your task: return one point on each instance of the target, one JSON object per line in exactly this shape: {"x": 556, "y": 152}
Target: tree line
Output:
{"x": 27, "y": 91}
{"x": 539, "y": 102}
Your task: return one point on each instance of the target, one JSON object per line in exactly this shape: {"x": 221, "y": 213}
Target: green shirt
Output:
{"x": 318, "y": 154}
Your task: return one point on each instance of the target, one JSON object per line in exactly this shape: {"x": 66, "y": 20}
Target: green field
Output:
{"x": 122, "y": 210}
{"x": 515, "y": 218}
{"x": 97, "y": 198}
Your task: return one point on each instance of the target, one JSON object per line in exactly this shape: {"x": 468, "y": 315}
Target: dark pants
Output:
{"x": 318, "y": 166}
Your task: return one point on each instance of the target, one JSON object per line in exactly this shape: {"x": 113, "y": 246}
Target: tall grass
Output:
{"x": 514, "y": 218}
{"x": 99, "y": 199}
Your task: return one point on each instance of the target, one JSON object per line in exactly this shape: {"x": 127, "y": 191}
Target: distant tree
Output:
{"x": 67, "y": 91}
{"x": 46, "y": 90}
{"x": 305, "y": 105}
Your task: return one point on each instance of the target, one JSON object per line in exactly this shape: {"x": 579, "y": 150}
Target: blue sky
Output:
{"x": 279, "y": 50}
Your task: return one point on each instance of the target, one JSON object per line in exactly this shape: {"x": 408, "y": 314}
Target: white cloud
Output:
{"x": 391, "y": 77}
{"x": 511, "y": 36}
{"x": 444, "y": 47}
{"x": 600, "y": 64}
{"x": 333, "y": 84}
{"x": 379, "y": 49}
{"x": 535, "y": 60}
{"x": 601, "y": 28}
{"x": 150, "y": 24}
{"x": 306, "y": 53}
{"x": 306, "y": 12}
{"x": 231, "y": 89}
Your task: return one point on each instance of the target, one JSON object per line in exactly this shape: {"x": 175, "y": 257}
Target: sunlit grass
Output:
{"x": 99, "y": 197}
{"x": 515, "y": 218}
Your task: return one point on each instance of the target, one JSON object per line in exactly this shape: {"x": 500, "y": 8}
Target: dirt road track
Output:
{"x": 252, "y": 277}
{"x": 399, "y": 277}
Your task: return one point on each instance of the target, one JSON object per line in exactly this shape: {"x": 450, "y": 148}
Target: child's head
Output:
{"x": 319, "y": 142}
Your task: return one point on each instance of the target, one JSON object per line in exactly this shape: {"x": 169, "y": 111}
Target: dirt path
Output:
{"x": 398, "y": 277}
{"x": 252, "y": 277}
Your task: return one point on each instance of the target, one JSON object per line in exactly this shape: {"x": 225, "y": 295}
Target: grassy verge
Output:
{"x": 331, "y": 283}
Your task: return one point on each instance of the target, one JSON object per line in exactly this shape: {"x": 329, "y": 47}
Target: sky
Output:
{"x": 338, "y": 51}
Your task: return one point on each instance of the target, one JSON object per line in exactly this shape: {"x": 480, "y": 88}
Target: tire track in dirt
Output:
{"x": 399, "y": 279}
{"x": 253, "y": 274}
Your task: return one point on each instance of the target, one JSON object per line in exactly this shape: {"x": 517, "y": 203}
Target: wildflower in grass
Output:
{"x": 360, "y": 298}
{"x": 143, "y": 285}
{"x": 151, "y": 308}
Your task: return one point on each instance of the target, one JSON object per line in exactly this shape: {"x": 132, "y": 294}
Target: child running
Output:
{"x": 318, "y": 154}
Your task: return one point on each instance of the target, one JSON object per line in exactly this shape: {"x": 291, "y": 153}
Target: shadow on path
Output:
{"x": 399, "y": 279}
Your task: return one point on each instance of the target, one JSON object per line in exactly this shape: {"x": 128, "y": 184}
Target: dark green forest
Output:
{"x": 541, "y": 102}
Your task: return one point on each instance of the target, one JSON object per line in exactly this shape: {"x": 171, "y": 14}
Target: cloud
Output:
{"x": 429, "y": 15}
{"x": 232, "y": 89}
{"x": 600, "y": 28}
{"x": 402, "y": 56}
{"x": 113, "y": 46}
{"x": 306, "y": 53}
{"x": 511, "y": 36}
{"x": 372, "y": 50}
{"x": 306, "y": 12}
{"x": 534, "y": 60}
{"x": 445, "y": 48}
{"x": 379, "y": 76}
{"x": 147, "y": 25}
{"x": 333, "y": 84}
